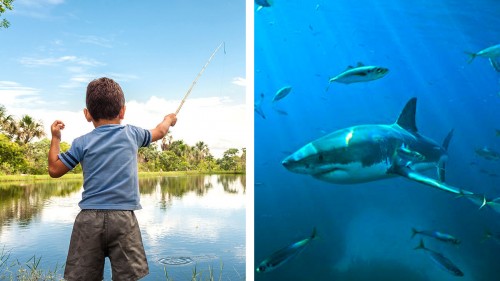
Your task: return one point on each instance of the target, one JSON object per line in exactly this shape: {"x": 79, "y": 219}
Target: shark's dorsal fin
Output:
{"x": 406, "y": 119}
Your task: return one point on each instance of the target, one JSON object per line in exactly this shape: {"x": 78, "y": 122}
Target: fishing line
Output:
{"x": 198, "y": 76}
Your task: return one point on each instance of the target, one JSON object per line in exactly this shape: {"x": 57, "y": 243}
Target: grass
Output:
{"x": 30, "y": 270}
{"x": 197, "y": 275}
{"x": 70, "y": 176}
{"x": 26, "y": 271}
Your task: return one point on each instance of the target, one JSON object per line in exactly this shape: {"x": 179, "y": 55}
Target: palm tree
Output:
{"x": 8, "y": 125}
{"x": 200, "y": 151}
{"x": 28, "y": 129}
{"x": 179, "y": 148}
{"x": 166, "y": 141}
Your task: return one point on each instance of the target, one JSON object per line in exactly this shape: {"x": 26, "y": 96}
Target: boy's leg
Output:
{"x": 125, "y": 248}
{"x": 85, "y": 259}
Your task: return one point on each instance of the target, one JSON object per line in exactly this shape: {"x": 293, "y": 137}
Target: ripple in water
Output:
{"x": 185, "y": 260}
{"x": 175, "y": 260}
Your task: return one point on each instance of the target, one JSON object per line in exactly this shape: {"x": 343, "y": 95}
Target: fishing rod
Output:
{"x": 198, "y": 76}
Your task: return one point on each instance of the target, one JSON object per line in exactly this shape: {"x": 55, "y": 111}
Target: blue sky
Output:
{"x": 154, "y": 49}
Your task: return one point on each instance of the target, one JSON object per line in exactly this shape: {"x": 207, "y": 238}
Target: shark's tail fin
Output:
{"x": 472, "y": 56}
{"x": 420, "y": 246}
{"x": 313, "y": 234}
{"x": 413, "y": 232}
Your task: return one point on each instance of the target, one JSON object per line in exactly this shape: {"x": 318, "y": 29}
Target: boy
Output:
{"x": 106, "y": 226}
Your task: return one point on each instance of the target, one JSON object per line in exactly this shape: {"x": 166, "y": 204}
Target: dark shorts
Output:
{"x": 106, "y": 233}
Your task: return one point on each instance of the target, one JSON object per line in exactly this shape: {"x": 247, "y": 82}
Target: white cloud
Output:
{"x": 81, "y": 79}
{"x": 77, "y": 81}
{"x": 38, "y": 3}
{"x": 14, "y": 94}
{"x": 95, "y": 40}
{"x": 72, "y": 60}
{"x": 217, "y": 121}
{"x": 240, "y": 81}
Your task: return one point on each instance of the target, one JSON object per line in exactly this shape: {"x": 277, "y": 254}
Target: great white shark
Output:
{"x": 367, "y": 153}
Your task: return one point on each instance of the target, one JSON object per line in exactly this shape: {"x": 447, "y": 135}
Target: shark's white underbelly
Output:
{"x": 355, "y": 173}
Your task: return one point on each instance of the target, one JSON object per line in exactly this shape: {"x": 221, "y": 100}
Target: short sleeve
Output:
{"x": 142, "y": 136}
{"x": 71, "y": 158}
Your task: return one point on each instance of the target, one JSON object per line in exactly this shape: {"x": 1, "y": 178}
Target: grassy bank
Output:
{"x": 24, "y": 178}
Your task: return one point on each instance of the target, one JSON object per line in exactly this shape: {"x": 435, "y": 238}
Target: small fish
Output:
{"x": 263, "y": 3}
{"x": 494, "y": 204}
{"x": 281, "y": 93}
{"x": 283, "y": 255}
{"x": 493, "y": 236}
{"x": 281, "y": 112}
{"x": 492, "y": 53}
{"x": 481, "y": 200}
{"x": 258, "y": 106}
{"x": 497, "y": 132}
{"x": 442, "y": 261}
{"x": 488, "y": 154}
{"x": 437, "y": 235}
{"x": 360, "y": 73}
{"x": 477, "y": 199}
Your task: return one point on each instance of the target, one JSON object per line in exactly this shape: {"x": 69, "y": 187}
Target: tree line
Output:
{"x": 24, "y": 148}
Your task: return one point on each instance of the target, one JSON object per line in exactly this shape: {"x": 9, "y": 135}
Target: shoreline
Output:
{"x": 26, "y": 177}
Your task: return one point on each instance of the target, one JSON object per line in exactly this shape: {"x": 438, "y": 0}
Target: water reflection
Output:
{"x": 192, "y": 219}
{"x": 230, "y": 183}
{"x": 20, "y": 202}
{"x": 179, "y": 186}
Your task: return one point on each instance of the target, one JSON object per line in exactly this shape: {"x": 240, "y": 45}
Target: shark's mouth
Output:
{"x": 329, "y": 172}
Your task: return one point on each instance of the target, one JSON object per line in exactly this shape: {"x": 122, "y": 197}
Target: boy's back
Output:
{"x": 109, "y": 161}
{"x": 106, "y": 226}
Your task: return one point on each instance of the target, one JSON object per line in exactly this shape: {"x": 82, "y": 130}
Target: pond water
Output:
{"x": 186, "y": 222}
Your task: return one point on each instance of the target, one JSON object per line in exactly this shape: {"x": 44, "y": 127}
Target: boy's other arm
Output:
{"x": 161, "y": 129}
{"x": 56, "y": 167}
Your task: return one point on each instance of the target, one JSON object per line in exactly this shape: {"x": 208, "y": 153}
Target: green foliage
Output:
{"x": 12, "y": 158}
{"x": 28, "y": 271}
{"x": 148, "y": 158}
{"x": 28, "y": 129}
{"x": 230, "y": 160}
{"x": 5, "y": 5}
{"x": 19, "y": 153}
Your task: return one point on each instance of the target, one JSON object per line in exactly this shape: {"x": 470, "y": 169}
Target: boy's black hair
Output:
{"x": 104, "y": 98}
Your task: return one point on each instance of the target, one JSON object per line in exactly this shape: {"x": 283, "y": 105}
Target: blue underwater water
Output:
{"x": 364, "y": 230}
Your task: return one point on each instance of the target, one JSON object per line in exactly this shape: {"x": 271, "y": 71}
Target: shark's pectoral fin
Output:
{"x": 415, "y": 176}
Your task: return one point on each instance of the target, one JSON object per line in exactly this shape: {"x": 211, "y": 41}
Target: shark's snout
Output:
{"x": 298, "y": 161}
{"x": 289, "y": 162}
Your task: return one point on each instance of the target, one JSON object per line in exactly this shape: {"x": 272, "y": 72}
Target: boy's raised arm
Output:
{"x": 56, "y": 167}
{"x": 161, "y": 129}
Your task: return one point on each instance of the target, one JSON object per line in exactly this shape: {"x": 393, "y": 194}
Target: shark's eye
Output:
{"x": 320, "y": 157}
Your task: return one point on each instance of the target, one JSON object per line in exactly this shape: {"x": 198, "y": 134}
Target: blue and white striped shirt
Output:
{"x": 108, "y": 156}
